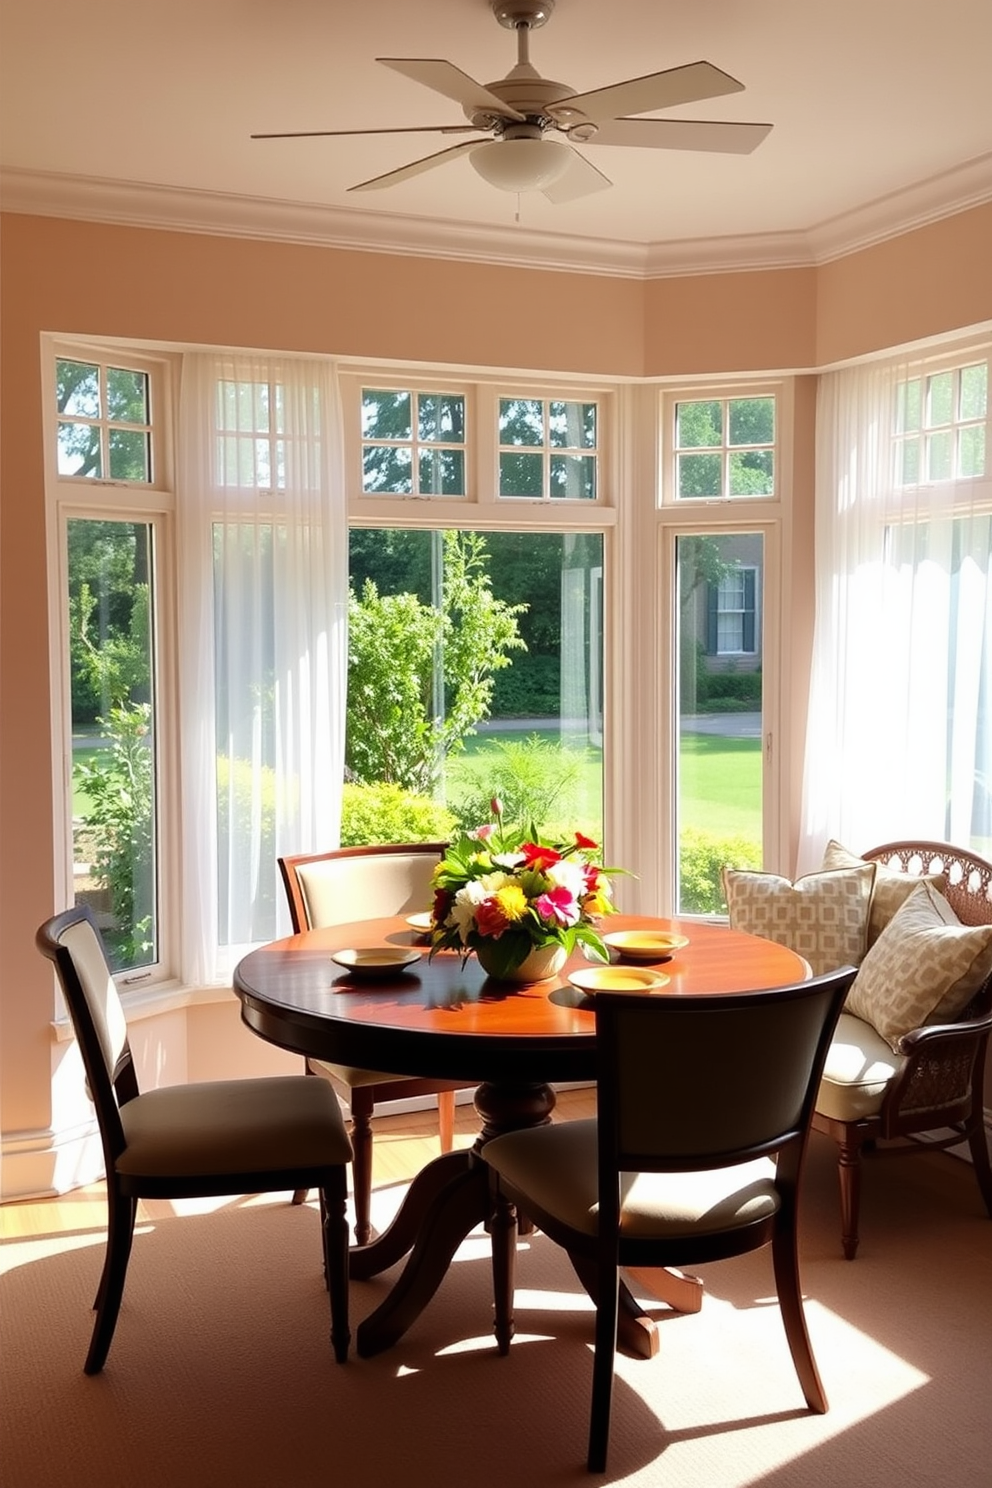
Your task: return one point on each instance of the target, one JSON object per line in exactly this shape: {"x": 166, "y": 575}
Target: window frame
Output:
{"x": 102, "y": 498}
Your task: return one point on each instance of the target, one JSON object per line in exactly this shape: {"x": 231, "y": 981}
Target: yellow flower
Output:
{"x": 512, "y": 901}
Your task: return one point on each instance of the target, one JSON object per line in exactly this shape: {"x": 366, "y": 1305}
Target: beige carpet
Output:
{"x": 221, "y": 1372}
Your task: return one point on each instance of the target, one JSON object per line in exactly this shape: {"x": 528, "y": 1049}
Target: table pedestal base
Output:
{"x": 446, "y": 1201}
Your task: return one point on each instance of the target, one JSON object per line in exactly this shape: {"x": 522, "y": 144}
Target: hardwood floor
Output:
{"x": 402, "y": 1145}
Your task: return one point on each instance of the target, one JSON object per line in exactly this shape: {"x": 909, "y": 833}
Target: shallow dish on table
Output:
{"x": 420, "y": 922}
{"x": 376, "y": 961}
{"x": 599, "y": 979}
{"x": 645, "y": 945}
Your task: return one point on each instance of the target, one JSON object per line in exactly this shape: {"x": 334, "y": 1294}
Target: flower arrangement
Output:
{"x": 504, "y": 893}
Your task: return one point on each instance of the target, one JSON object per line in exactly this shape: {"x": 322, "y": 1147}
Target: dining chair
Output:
{"x": 192, "y": 1141}
{"x": 877, "y": 1100}
{"x": 695, "y": 1154}
{"x": 361, "y": 883}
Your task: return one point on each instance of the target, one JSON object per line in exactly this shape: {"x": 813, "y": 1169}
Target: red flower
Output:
{"x": 490, "y": 919}
{"x": 536, "y": 856}
{"x": 586, "y": 843}
{"x": 442, "y": 904}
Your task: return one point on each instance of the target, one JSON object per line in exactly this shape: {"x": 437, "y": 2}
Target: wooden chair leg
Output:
{"x": 979, "y": 1147}
{"x": 362, "y": 1106}
{"x": 785, "y": 1261}
{"x": 121, "y": 1212}
{"x": 503, "y": 1233}
{"x": 334, "y": 1231}
{"x": 849, "y": 1174}
{"x": 607, "y": 1309}
{"x": 446, "y": 1119}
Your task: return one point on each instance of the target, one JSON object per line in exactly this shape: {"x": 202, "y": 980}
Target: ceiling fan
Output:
{"x": 535, "y": 123}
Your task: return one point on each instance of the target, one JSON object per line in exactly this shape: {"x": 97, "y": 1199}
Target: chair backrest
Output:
{"x": 969, "y": 877}
{"x": 359, "y": 883}
{"x": 72, "y": 941}
{"x": 710, "y": 1081}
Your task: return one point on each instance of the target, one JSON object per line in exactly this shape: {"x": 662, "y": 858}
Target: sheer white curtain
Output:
{"x": 899, "y": 740}
{"x": 262, "y": 540}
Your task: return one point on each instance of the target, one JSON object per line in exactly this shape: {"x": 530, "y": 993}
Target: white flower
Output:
{"x": 463, "y": 909}
{"x": 509, "y": 860}
{"x": 569, "y": 874}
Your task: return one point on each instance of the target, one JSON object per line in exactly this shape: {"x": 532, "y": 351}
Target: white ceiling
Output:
{"x": 882, "y": 115}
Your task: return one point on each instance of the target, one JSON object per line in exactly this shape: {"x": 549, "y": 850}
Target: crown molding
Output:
{"x": 177, "y": 209}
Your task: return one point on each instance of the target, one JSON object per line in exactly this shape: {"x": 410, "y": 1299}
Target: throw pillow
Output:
{"x": 892, "y": 888}
{"x": 924, "y": 963}
{"x": 823, "y": 916}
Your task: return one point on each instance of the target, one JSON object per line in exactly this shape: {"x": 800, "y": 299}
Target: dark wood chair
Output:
{"x": 190, "y": 1141}
{"x": 359, "y": 883}
{"x": 707, "y": 1166}
{"x": 934, "y": 1085}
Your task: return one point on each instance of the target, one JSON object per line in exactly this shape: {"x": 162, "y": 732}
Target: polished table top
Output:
{"x": 444, "y": 1020}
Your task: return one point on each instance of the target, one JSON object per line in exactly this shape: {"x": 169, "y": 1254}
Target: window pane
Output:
{"x": 521, "y": 421}
{"x": 441, "y": 418}
{"x": 521, "y": 475}
{"x": 908, "y": 406}
{"x": 719, "y": 786}
{"x": 129, "y": 455}
{"x": 698, "y": 425}
{"x": 971, "y": 451}
{"x": 939, "y": 452}
{"x": 572, "y": 425}
{"x": 752, "y": 474}
{"x": 442, "y": 608}
{"x": 79, "y": 450}
{"x": 110, "y": 572}
{"x": 940, "y": 399}
{"x": 386, "y": 415}
{"x": 909, "y": 462}
{"x": 442, "y": 472}
{"x": 127, "y": 396}
{"x": 77, "y": 388}
{"x": 974, "y": 391}
{"x": 573, "y": 477}
{"x": 386, "y": 468}
{"x": 752, "y": 421}
{"x": 700, "y": 475}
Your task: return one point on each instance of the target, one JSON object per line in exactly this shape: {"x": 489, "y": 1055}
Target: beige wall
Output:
{"x": 85, "y": 279}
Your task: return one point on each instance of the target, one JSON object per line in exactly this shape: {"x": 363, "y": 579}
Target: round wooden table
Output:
{"x": 442, "y": 1020}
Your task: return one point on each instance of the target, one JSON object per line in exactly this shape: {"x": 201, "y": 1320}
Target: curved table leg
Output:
{"x": 456, "y": 1209}
{"x": 400, "y": 1237}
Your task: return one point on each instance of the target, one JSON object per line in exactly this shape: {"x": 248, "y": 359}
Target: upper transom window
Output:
{"x": 940, "y": 425}
{"x": 548, "y": 449}
{"x": 725, "y": 447}
{"x": 413, "y": 443}
{"x": 104, "y": 421}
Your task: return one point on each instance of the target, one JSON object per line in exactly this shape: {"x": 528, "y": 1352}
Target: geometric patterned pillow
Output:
{"x": 924, "y": 962}
{"x": 892, "y": 888}
{"x": 823, "y": 916}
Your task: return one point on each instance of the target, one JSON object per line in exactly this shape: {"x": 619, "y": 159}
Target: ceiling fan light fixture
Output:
{"x": 521, "y": 164}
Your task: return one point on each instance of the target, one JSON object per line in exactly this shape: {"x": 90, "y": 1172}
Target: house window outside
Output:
{"x": 725, "y": 448}
{"x": 941, "y": 425}
{"x": 733, "y": 613}
{"x": 548, "y": 449}
{"x": 413, "y": 442}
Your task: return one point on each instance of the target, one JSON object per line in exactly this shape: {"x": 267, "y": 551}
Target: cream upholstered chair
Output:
{"x": 361, "y": 883}
{"x": 677, "y": 1168}
{"x": 888, "y": 1081}
{"x": 188, "y": 1141}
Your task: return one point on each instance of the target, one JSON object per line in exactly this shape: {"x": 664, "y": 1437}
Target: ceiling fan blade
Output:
{"x": 426, "y": 163}
{"x": 581, "y": 178}
{"x": 642, "y": 95}
{"x": 682, "y": 134}
{"x": 445, "y": 77}
{"x": 408, "y": 129}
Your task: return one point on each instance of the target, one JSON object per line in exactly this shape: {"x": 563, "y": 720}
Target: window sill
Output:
{"x": 150, "y": 1002}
